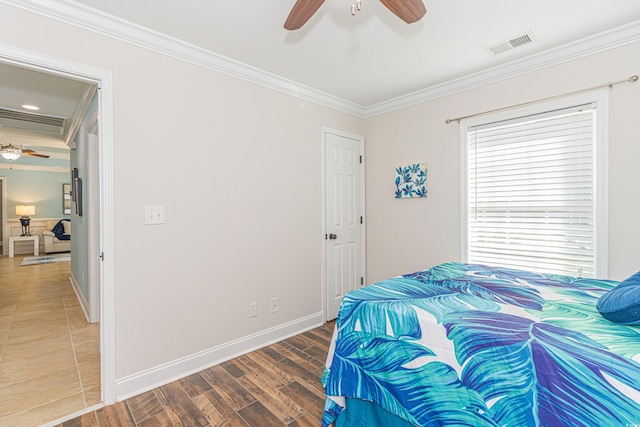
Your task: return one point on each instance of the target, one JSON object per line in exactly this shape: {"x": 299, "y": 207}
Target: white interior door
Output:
{"x": 344, "y": 222}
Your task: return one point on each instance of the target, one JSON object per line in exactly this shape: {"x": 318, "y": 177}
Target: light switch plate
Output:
{"x": 154, "y": 214}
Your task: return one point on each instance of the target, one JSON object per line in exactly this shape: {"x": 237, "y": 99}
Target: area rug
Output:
{"x": 46, "y": 259}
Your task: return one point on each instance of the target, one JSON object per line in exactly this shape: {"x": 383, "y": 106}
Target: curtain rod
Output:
{"x": 610, "y": 85}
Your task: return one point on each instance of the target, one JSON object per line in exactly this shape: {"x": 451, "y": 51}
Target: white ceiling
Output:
{"x": 57, "y": 97}
{"x": 373, "y": 56}
{"x": 364, "y": 61}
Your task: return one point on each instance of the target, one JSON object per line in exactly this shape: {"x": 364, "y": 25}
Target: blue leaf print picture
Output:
{"x": 411, "y": 181}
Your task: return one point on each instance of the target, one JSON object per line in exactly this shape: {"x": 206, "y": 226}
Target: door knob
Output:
{"x": 333, "y": 236}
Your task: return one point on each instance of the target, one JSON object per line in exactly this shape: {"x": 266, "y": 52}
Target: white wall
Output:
{"x": 408, "y": 235}
{"x": 237, "y": 167}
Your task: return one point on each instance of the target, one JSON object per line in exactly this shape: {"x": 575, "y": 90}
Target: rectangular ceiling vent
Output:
{"x": 32, "y": 122}
{"x": 512, "y": 43}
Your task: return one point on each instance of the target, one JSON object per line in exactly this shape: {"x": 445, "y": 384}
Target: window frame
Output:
{"x": 601, "y": 119}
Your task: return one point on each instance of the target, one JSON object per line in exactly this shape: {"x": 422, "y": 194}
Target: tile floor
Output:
{"x": 49, "y": 354}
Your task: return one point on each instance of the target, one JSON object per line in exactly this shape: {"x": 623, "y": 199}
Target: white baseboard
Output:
{"x": 163, "y": 374}
{"x": 83, "y": 302}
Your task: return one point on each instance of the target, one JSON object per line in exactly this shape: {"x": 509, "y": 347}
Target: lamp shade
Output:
{"x": 25, "y": 210}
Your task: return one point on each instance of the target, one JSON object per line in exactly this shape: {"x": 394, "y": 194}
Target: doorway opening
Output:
{"x": 99, "y": 212}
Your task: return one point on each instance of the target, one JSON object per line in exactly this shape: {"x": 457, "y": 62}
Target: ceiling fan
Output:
{"x": 13, "y": 152}
{"x": 408, "y": 10}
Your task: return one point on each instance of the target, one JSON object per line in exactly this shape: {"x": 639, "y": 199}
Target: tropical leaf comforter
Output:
{"x": 472, "y": 345}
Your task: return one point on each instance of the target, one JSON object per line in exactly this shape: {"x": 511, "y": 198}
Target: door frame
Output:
{"x": 323, "y": 246}
{"x": 103, "y": 79}
{"x": 3, "y": 215}
{"x": 93, "y": 217}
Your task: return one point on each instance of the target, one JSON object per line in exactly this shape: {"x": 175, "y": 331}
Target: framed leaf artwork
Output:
{"x": 411, "y": 181}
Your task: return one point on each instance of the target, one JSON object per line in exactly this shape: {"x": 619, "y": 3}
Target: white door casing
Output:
{"x": 3, "y": 215}
{"x": 93, "y": 219}
{"x": 343, "y": 217}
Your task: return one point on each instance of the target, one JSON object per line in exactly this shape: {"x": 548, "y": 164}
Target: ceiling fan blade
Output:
{"x": 301, "y": 12}
{"x": 34, "y": 154}
{"x": 409, "y": 11}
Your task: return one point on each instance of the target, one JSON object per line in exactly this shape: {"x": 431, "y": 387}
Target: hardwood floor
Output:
{"x": 278, "y": 385}
{"x": 49, "y": 354}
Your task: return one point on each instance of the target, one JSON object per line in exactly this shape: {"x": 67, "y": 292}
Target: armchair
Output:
{"x": 53, "y": 243}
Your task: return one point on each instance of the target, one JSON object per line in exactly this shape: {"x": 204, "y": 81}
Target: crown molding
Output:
{"x": 108, "y": 25}
{"x": 90, "y": 19}
{"x": 600, "y": 42}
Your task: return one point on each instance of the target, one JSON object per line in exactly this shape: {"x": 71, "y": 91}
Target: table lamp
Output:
{"x": 24, "y": 211}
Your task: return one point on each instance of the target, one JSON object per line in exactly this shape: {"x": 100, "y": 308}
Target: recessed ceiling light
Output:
{"x": 30, "y": 107}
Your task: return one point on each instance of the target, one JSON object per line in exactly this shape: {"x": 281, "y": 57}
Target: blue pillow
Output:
{"x": 58, "y": 230}
{"x": 622, "y": 303}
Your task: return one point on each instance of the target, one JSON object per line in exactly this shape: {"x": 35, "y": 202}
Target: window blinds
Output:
{"x": 531, "y": 192}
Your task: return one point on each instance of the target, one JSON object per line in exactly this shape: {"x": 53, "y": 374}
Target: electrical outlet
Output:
{"x": 253, "y": 309}
{"x": 275, "y": 305}
{"x": 154, "y": 214}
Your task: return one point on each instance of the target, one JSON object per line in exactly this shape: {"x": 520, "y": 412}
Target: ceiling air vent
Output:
{"x": 512, "y": 43}
{"x": 41, "y": 123}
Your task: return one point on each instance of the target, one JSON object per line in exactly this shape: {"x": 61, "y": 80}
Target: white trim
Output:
{"x": 108, "y": 25}
{"x": 363, "y": 234}
{"x": 3, "y": 217}
{"x": 34, "y": 168}
{"x": 98, "y": 22}
{"x": 76, "y": 414}
{"x": 81, "y": 299}
{"x": 464, "y": 191}
{"x": 600, "y": 42}
{"x": 168, "y": 372}
{"x": 323, "y": 190}
{"x": 78, "y": 114}
{"x": 323, "y": 223}
{"x": 93, "y": 223}
{"x": 103, "y": 78}
{"x": 602, "y": 183}
{"x": 107, "y": 237}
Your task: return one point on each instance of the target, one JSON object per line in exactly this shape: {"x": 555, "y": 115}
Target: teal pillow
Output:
{"x": 622, "y": 303}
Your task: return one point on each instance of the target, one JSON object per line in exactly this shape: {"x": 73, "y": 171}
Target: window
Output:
{"x": 534, "y": 188}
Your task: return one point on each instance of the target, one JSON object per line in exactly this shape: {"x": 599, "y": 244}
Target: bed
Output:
{"x": 472, "y": 345}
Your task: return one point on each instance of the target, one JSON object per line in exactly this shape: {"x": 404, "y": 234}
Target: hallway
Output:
{"x": 49, "y": 354}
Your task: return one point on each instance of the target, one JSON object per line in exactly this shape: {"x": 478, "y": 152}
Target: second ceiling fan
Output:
{"x": 13, "y": 152}
{"x": 408, "y": 10}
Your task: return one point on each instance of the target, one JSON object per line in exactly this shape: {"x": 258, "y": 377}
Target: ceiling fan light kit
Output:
{"x": 13, "y": 152}
{"x": 10, "y": 152}
{"x": 357, "y": 6}
{"x": 409, "y": 11}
